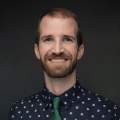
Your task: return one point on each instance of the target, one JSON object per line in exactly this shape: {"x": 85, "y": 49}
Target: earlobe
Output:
{"x": 80, "y": 51}
{"x": 36, "y": 50}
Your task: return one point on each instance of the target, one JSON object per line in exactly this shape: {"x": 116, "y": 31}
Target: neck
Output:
{"x": 58, "y": 86}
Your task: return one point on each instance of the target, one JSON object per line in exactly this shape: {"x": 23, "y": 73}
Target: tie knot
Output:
{"x": 56, "y": 102}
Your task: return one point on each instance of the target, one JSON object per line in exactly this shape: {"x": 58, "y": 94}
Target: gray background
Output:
{"x": 20, "y": 72}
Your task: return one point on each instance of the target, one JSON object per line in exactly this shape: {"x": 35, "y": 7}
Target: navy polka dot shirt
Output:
{"x": 77, "y": 103}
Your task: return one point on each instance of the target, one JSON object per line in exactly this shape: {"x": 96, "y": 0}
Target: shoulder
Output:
{"x": 100, "y": 105}
{"x": 32, "y": 99}
{"x": 24, "y": 105}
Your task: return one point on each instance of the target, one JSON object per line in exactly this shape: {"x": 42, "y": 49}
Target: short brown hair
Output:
{"x": 64, "y": 13}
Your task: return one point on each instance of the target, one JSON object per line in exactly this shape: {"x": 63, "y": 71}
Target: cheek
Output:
{"x": 72, "y": 49}
{"x": 43, "y": 48}
{"x": 43, "y": 51}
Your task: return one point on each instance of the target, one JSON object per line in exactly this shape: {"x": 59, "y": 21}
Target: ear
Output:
{"x": 80, "y": 51}
{"x": 36, "y": 50}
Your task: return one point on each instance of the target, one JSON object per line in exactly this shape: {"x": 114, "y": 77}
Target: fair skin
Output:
{"x": 58, "y": 37}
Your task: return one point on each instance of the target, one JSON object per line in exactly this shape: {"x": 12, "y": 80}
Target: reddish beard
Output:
{"x": 58, "y": 71}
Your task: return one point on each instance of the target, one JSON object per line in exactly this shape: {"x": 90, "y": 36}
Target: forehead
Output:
{"x": 50, "y": 24}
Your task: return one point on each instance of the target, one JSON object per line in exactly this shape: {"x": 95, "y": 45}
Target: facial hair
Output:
{"x": 59, "y": 72}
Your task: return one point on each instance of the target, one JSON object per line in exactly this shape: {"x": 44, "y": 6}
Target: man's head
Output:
{"x": 59, "y": 44}
{"x": 61, "y": 13}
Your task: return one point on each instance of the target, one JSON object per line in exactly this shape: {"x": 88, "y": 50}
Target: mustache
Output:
{"x": 65, "y": 56}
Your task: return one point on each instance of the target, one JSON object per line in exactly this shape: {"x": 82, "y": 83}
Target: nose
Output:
{"x": 58, "y": 47}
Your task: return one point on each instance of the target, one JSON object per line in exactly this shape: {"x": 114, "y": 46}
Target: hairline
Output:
{"x": 61, "y": 13}
{"x": 58, "y": 16}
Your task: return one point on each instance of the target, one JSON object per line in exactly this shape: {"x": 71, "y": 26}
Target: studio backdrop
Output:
{"x": 20, "y": 72}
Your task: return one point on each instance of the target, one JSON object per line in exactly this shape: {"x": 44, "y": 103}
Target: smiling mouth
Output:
{"x": 58, "y": 60}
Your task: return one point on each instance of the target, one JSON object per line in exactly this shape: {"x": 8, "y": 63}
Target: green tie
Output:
{"x": 56, "y": 114}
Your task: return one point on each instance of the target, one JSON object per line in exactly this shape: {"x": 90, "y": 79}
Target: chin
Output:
{"x": 59, "y": 74}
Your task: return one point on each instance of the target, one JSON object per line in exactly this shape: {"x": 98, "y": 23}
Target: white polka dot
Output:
{"x": 70, "y": 113}
{"x": 19, "y": 112}
{"x": 29, "y": 101}
{"x": 38, "y": 100}
{"x": 66, "y": 95}
{"x": 65, "y": 102}
{"x": 38, "y": 116}
{"x": 27, "y": 111}
{"x": 35, "y": 110}
{"x": 21, "y": 117}
{"x": 104, "y": 105}
{"x": 32, "y": 105}
{"x": 92, "y": 116}
{"x": 49, "y": 97}
{"x": 24, "y": 107}
{"x": 47, "y": 116}
{"x": 76, "y": 107}
{"x": 73, "y": 94}
{"x": 99, "y": 100}
{"x": 73, "y": 101}
{"x": 36, "y": 97}
{"x": 50, "y": 105}
{"x": 40, "y": 104}
{"x": 88, "y": 99}
{"x": 93, "y": 105}
{"x": 82, "y": 90}
{"x": 103, "y": 116}
{"x": 75, "y": 119}
{"x": 16, "y": 107}
{"x": 87, "y": 109}
{"x": 81, "y": 114}
{"x": 83, "y": 102}
{"x": 78, "y": 97}
{"x": 109, "y": 110}
{"x": 98, "y": 110}
{"x": 43, "y": 109}
{"x": 12, "y": 116}
{"x": 22, "y": 102}
{"x": 30, "y": 116}
{"x": 83, "y": 94}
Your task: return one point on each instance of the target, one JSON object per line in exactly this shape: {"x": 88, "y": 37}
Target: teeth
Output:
{"x": 58, "y": 60}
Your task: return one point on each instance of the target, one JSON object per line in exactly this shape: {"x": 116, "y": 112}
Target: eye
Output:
{"x": 66, "y": 39}
{"x": 48, "y": 40}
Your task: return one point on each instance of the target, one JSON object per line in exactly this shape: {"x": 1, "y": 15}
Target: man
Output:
{"x": 59, "y": 46}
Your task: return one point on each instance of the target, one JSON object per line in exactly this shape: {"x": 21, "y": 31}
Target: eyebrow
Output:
{"x": 45, "y": 36}
{"x": 49, "y": 36}
{"x": 69, "y": 36}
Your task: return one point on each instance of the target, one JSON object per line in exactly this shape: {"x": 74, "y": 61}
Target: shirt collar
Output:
{"x": 67, "y": 98}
